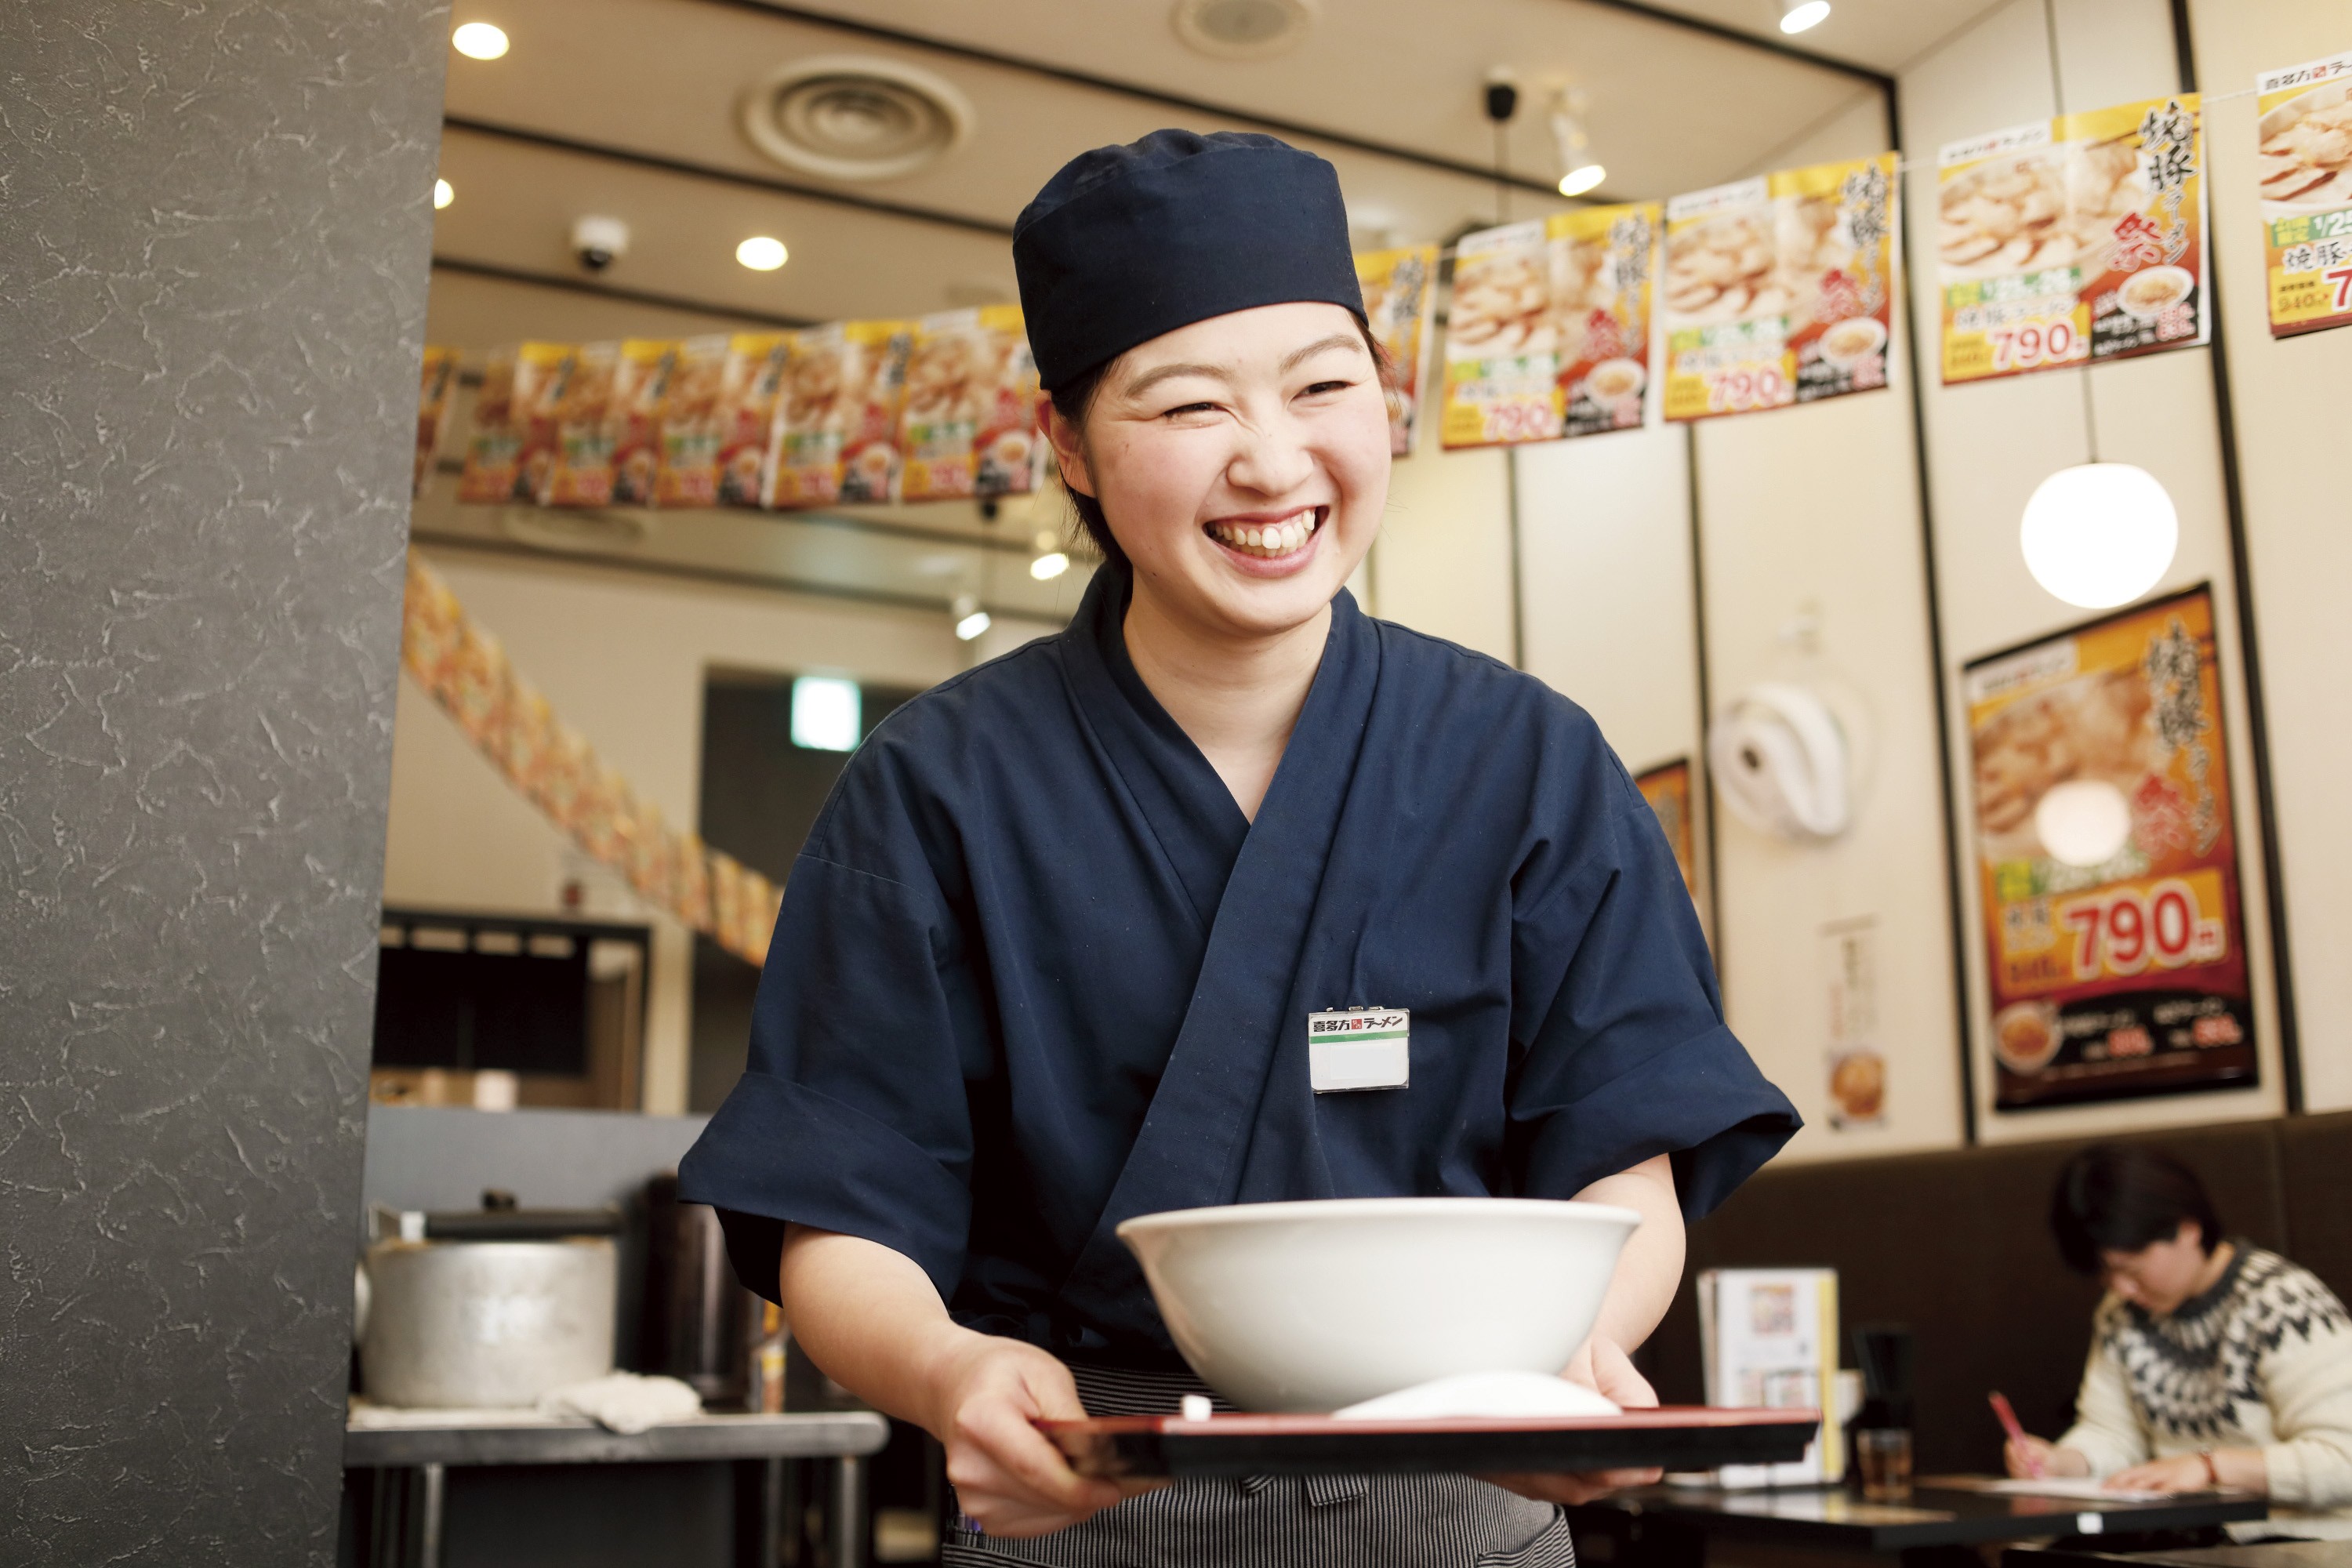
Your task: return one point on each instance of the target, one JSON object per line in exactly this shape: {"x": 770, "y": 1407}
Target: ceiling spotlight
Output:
{"x": 2099, "y": 534}
{"x": 762, "y": 253}
{"x": 442, "y": 194}
{"x": 1050, "y": 565}
{"x": 1578, "y": 170}
{"x": 479, "y": 41}
{"x": 1797, "y": 16}
{"x": 1586, "y": 177}
{"x": 970, "y": 620}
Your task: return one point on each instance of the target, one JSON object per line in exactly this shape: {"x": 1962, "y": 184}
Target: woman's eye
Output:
{"x": 1189, "y": 408}
{"x": 1322, "y": 386}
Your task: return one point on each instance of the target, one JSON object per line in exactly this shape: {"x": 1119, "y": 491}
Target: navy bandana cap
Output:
{"x": 1126, "y": 243}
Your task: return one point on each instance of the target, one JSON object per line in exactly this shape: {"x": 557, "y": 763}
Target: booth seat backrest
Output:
{"x": 1955, "y": 1245}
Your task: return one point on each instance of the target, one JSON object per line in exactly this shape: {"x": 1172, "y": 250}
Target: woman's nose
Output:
{"x": 1272, "y": 461}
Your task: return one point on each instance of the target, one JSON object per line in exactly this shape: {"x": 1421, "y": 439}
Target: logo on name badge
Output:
{"x": 1361, "y": 1047}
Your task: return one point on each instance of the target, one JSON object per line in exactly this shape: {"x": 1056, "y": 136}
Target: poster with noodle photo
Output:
{"x": 2073, "y": 239}
{"x": 2303, "y": 164}
{"x": 2107, "y": 861}
{"x": 1778, "y": 289}
{"x": 1502, "y": 361}
{"x": 1401, "y": 303}
{"x": 1667, "y": 790}
{"x": 1603, "y": 261}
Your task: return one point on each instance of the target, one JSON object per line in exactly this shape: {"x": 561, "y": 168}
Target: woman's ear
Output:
{"x": 2191, "y": 1234}
{"x": 1069, "y": 447}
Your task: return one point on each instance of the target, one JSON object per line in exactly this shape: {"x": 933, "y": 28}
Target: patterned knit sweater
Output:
{"x": 2262, "y": 1359}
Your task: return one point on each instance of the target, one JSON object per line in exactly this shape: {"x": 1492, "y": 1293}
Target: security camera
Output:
{"x": 1502, "y": 94}
{"x": 599, "y": 242}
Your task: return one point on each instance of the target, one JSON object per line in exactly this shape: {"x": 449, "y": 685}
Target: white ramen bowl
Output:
{"x": 1313, "y": 1306}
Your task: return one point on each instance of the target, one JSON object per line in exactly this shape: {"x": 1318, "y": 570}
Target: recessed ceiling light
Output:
{"x": 1796, "y": 16}
{"x": 479, "y": 41}
{"x": 1050, "y": 565}
{"x": 762, "y": 253}
{"x": 442, "y": 194}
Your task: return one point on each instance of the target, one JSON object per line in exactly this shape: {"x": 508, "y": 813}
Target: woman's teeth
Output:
{"x": 1269, "y": 539}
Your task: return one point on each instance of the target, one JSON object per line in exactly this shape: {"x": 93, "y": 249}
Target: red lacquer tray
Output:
{"x": 1678, "y": 1437}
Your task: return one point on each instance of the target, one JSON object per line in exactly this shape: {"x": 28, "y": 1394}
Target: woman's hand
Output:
{"x": 870, "y": 1317}
{"x": 1601, "y": 1365}
{"x": 2242, "y": 1468}
{"x": 2035, "y": 1457}
{"x": 1008, "y": 1479}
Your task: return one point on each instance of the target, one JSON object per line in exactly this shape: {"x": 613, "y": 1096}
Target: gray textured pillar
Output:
{"x": 214, "y": 223}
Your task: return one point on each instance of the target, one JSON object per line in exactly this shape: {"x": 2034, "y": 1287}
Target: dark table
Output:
{"x": 2267, "y": 1555}
{"x": 1680, "y": 1527}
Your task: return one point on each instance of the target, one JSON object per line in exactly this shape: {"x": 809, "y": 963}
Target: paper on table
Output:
{"x": 2088, "y": 1491}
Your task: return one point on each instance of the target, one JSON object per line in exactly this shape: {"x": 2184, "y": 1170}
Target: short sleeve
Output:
{"x": 852, "y": 1113}
{"x": 1626, "y": 1054}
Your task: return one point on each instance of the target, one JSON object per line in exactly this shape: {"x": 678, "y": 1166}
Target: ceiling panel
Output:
{"x": 1670, "y": 110}
{"x": 1410, "y": 72}
{"x": 1883, "y": 34}
{"x": 515, "y": 204}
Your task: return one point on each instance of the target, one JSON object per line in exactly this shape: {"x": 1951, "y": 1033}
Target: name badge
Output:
{"x": 1364, "y": 1048}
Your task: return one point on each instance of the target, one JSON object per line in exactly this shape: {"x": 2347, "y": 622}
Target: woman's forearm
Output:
{"x": 871, "y": 1319}
{"x": 1652, "y": 1264}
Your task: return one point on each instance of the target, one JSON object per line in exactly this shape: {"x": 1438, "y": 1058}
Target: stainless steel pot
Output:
{"x": 467, "y": 1322}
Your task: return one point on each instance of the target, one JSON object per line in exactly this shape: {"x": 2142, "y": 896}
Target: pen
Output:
{"x": 2016, "y": 1433}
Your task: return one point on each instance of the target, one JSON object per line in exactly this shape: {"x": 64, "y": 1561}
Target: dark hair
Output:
{"x": 1075, "y": 396}
{"x": 2115, "y": 1198}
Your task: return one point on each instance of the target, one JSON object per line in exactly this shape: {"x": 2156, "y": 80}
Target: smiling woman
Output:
{"x": 1052, "y": 957}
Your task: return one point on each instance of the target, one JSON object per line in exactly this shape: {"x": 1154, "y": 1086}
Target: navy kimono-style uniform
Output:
{"x": 1035, "y": 974}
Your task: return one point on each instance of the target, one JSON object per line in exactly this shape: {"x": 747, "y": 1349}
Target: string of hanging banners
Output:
{"x": 466, "y": 670}
{"x": 2068, "y": 241}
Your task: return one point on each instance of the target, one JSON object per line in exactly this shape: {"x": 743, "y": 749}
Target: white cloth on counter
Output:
{"x": 625, "y": 1402}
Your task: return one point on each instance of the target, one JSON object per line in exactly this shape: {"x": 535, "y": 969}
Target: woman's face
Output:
{"x": 2160, "y": 1276}
{"x": 1242, "y": 463}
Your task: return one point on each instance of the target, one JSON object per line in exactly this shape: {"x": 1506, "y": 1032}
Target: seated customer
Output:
{"x": 2212, "y": 1362}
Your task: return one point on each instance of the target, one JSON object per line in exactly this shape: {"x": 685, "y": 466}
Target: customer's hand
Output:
{"x": 1601, "y": 1365}
{"x": 2034, "y": 1458}
{"x": 986, "y": 1392}
{"x": 2180, "y": 1473}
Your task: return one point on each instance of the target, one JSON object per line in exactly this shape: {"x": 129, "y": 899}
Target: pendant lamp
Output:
{"x": 2099, "y": 534}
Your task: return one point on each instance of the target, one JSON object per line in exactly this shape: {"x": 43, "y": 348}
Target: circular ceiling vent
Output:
{"x": 854, "y": 117}
{"x": 1242, "y": 29}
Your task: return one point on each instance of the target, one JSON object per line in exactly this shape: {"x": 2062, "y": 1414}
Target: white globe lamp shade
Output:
{"x": 2083, "y": 822}
{"x": 2100, "y": 535}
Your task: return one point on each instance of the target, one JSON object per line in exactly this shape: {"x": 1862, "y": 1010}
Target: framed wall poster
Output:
{"x": 2128, "y": 976}
{"x": 2305, "y": 165}
{"x": 1667, "y": 788}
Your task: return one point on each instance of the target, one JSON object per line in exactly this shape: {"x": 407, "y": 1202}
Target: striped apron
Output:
{"x": 1279, "y": 1521}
